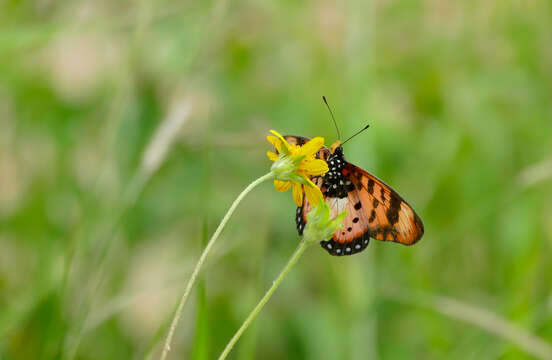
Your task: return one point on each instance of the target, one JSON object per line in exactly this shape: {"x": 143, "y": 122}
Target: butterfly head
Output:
{"x": 336, "y": 148}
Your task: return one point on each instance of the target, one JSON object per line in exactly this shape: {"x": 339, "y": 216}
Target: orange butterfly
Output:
{"x": 374, "y": 210}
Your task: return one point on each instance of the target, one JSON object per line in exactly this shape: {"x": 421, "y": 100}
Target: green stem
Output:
{"x": 201, "y": 260}
{"x": 296, "y": 255}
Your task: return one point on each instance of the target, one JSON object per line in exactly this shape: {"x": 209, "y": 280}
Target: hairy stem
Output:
{"x": 201, "y": 260}
{"x": 296, "y": 255}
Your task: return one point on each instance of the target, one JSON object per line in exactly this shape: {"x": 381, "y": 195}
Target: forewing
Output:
{"x": 388, "y": 215}
{"x": 374, "y": 210}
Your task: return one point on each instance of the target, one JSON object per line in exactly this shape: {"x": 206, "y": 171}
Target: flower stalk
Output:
{"x": 201, "y": 260}
{"x": 292, "y": 167}
{"x": 296, "y": 255}
{"x": 319, "y": 227}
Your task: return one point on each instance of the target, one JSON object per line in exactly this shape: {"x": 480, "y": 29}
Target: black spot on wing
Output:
{"x": 372, "y": 216}
{"x": 392, "y": 212}
{"x": 371, "y": 186}
{"x": 358, "y": 205}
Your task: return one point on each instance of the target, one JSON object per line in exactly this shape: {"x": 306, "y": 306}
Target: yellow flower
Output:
{"x": 293, "y": 164}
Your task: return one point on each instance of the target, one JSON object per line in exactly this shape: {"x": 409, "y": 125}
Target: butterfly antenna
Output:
{"x": 358, "y": 132}
{"x": 333, "y": 118}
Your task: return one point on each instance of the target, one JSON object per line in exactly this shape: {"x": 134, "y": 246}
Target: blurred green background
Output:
{"x": 128, "y": 128}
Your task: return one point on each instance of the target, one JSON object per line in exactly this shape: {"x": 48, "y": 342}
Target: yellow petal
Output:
{"x": 315, "y": 167}
{"x": 309, "y": 181}
{"x": 272, "y": 156}
{"x": 282, "y": 186}
{"x": 281, "y": 139}
{"x": 312, "y": 146}
{"x": 297, "y": 194}
{"x": 276, "y": 142}
{"x": 313, "y": 194}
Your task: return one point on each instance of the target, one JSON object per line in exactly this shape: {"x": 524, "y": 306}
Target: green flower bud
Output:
{"x": 285, "y": 168}
{"x": 320, "y": 226}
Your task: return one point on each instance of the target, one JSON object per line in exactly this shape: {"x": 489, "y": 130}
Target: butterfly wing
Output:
{"x": 374, "y": 210}
{"x": 390, "y": 217}
{"x": 353, "y": 237}
{"x": 296, "y": 139}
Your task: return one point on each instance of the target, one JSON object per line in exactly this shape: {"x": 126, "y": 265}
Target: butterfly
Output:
{"x": 374, "y": 209}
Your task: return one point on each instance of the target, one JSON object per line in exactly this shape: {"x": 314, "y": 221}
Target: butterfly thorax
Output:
{"x": 335, "y": 182}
